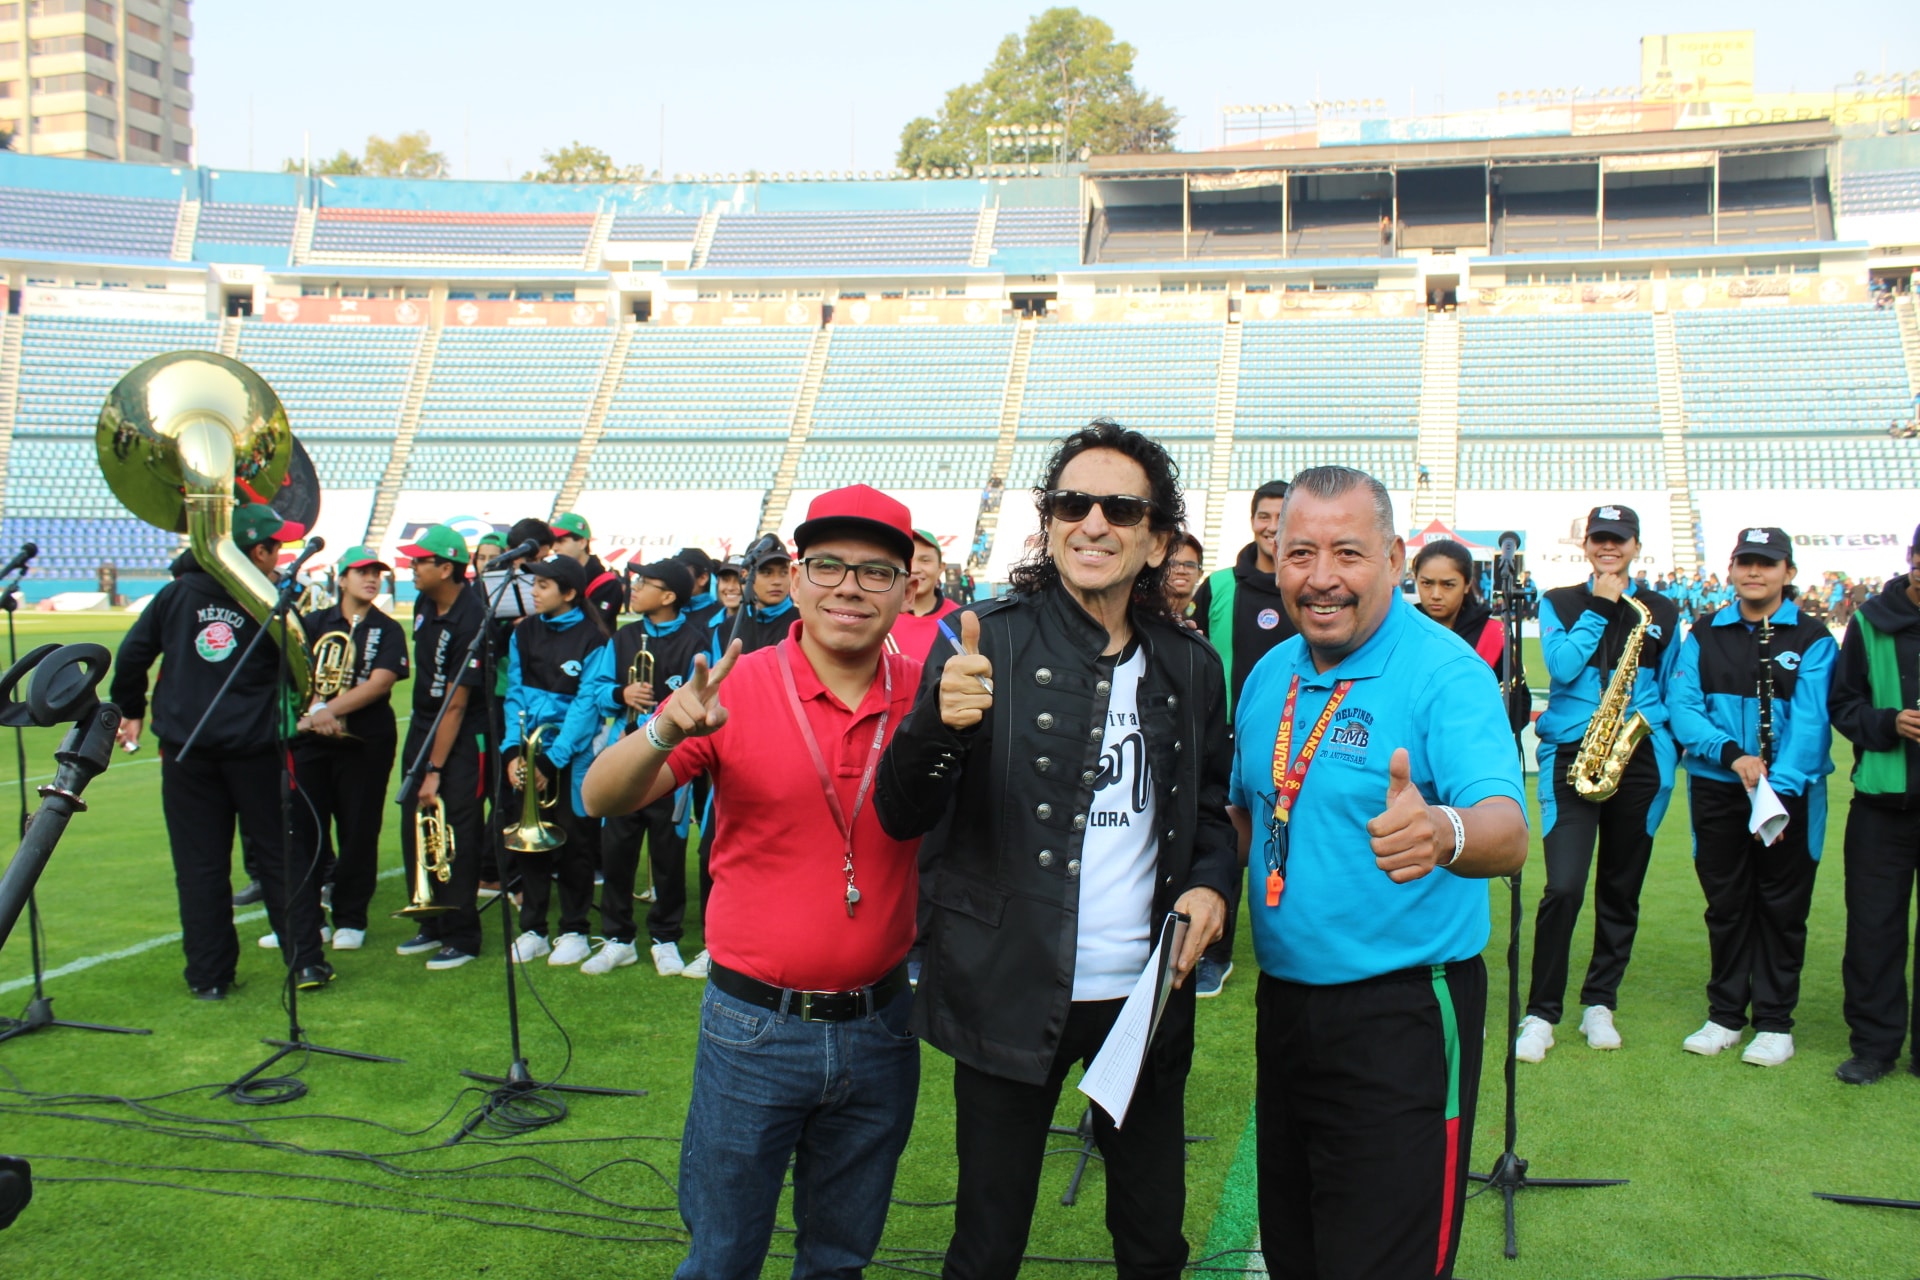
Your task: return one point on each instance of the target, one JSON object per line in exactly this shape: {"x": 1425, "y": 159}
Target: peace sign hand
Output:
{"x": 694, "y": 710}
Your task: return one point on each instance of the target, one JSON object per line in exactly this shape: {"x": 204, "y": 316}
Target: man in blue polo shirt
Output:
{"x": 1375, "y": 783}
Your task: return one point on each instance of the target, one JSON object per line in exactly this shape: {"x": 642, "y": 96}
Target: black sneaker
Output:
{"x": 249, "y": 895}
{"x": 1863, "y": 1070}
{"x": 418, "y": 945}
{"x": 218, "y": 991}
{"x": 313, "y": 977}
{"x": 448, "y": 958}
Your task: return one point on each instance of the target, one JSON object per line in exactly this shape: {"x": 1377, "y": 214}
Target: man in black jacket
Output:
{"x": 1875, "y": 702}
{"x": 234, "y": 770}
{"x": 1241, "y": 611}
{"x": 1069, "y": 768}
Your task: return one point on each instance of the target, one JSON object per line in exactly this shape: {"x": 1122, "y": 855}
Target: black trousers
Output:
{"x": 202, "y": 798}
{"x": 345, "y": 790}
{"x": 1001, "y": 1128}
{"x": 620, "y": 841}
{"x": 460, "y": 803}
{"x": 1758, "y": 897}
{"x": 571, "y": 864}
{"x": 1625, "y": 849}
{"x": 1364, "y": 1118}
{"x": 1882, "y": 854}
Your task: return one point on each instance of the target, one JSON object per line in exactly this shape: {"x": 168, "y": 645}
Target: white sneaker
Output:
{"x": 572, "y": 948}
{"x": 611, "y": 955}
{"x": 666, "y": 960}
{"x": 529, "y": 946}
{"x": 1769, "y": 1049}
{"x": 1535, "y": 1038}
{"x": 271, "y": 941}
{"x": 698, "y": 966}
{"x": 1597, "y": 1026}
{"x": 1710, "y": 1040}
{"x": 349, "y": 939}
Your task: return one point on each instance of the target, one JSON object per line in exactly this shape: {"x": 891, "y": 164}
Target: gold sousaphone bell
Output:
{"x": 176, "y": 435}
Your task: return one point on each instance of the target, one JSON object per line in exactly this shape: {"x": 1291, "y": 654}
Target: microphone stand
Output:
{"x": 296, "y": 1041}
{"x": 519, "y": 1079}
{"x": 39, "y": 1011}
{"x": 1509, "y": 1173}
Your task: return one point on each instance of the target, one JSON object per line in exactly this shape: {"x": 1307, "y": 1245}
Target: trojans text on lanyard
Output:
{"x": 1289, "y": 778}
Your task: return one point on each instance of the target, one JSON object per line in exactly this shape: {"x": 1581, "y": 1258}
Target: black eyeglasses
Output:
{"x": 1191, "y": 566}
{"x": 825, "y": 572}
{"x": 1121, "y": 509}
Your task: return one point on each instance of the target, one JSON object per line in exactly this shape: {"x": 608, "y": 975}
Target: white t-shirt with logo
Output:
{"x": 1119, "y": 852}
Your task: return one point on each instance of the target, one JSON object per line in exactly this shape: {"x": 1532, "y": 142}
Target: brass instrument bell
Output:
{"x": 433, "y": 854}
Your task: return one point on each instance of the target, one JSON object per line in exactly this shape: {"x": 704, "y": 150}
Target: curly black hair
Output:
{"x": 1037, "y": 571}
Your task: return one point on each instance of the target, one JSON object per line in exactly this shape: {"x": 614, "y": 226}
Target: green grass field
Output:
{"x": 1722, "y": 1156}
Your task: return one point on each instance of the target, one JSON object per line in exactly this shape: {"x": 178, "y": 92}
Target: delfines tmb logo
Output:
{"x": 215, "y": 642}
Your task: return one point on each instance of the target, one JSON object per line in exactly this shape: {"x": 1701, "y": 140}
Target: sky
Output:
{"x": 827, "y": 84}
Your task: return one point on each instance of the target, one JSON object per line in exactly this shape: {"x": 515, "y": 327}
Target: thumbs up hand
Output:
{"x": 1406, "y": 837}
{"x": 966, "y": 682}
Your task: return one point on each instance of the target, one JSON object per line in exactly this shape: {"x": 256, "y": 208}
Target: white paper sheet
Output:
{"x": 1769, "y": 816}
{"x": 1115, "y": 1070}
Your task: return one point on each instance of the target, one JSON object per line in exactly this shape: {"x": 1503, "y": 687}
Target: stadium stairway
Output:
{"x": 1011, "y": 395}
{"x": 799, "y": 427}
{"x": 302, "y": 247}
{"x": 610, "y": 374}
{"x": 11, "y": 330}
{"x": 185, "y": 228}
{"x": 703, "y": 238}
{"x": 1439, "y": 447}
{"x": 597, "y": 241}
{"x": 1226, "y": 404}
{"x": 1905, "y": 312}
{"x": 230, "y": 337}
{"x": 983, "y": 236}
{"x": 389, "y": 492}
{"x": 1683, "y": 520}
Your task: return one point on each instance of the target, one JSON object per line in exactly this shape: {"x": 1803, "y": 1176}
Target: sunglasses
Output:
{"x": 1120, "y": 509}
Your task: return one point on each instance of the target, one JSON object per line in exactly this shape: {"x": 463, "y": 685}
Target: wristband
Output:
{"x": 653, "y": 737}
{"x": 432, "y": 768}
{"x": 1459, "y": 833}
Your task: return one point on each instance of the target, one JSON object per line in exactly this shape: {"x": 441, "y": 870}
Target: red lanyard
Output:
{"x": 1289, "y": 778}
{"x": 840, "y": 817}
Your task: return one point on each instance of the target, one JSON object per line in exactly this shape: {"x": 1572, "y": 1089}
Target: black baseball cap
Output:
{"x": 672, "y": 574}
{"x": 564, "y": 570}
{"x": 1916, "y": 539}
{"x": 696, "y": 560}
{"x": 1621, "y": 522}
{"x": 1769, "y": 542}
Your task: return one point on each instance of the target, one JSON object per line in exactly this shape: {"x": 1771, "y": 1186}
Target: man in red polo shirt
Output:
{"x": 804, "y": 1048}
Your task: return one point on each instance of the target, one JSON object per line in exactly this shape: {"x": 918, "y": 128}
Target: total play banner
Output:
{"x": 470, "y": 513}
{"x": 632, "y": 525}
{"x": 1863, "y": 533}
{"x": 1553, "y": 527}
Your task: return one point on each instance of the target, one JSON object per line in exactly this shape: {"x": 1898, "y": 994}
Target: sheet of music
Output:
{"x": 1115, "y": 1070}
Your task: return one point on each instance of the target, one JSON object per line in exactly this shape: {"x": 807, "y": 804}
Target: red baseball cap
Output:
{"x": 861, "y": 510}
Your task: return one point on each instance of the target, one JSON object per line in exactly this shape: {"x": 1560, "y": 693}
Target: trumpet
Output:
{"x": 332, "y": 662}
{"x": 640, "y": 671}
{"x": 531, "y": 834}
{"x": 433, "y": 859}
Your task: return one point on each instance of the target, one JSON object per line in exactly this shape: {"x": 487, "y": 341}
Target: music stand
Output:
{"x": 38, "y": 1014}
{"x": 1509, "y": 1173}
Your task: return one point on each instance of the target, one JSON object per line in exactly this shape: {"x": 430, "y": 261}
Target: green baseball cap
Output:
{"x": 360, "y": 558}
{"x": 572, "y": 525}
{"x": 921, "y": 535}
{"x": 256, "y": 522}
{"x": 439, "y": 541}
{"x": 496, "y": 540}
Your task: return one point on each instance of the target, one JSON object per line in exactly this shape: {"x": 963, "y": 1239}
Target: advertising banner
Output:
{"x": 342, "y": 522}
{"x": 1698, "y": 66}
{"x": 471, "y": 513}
{"x": 1766, "y": 291}
{"x": 919, "y": 311}
{"x": 1297, "y": 304}
{"x": 147, "y": 304}
{"x": 1591, "y": 118}
{"x": 1547, "y": 299}
{"x": 1863, "y": 533}
{"x": 516, "y": 313}
{"x": 630, "y": 525}
{"x": 1553, "y": 525}
{"x": 741, "y": 312}
{"x": 1208, "y": 308}
{"x": 406, "y": 311}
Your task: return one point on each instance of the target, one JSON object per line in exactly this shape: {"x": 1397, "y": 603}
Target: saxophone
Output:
{"x": 1613, "y": 734}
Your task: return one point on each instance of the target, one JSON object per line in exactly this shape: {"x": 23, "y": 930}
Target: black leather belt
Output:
{"x": 811, "y": 1006}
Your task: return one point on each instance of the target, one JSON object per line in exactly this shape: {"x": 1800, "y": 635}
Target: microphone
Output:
{"x": 21, "y": 560}
{"x": 521, "y": 552}
{"x": 313, "y": 548}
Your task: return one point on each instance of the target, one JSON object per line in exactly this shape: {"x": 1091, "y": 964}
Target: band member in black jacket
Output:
{"x": 1068, "y": 763}
{"x": 344, "y": 753}
{"x": 234, "y": 771}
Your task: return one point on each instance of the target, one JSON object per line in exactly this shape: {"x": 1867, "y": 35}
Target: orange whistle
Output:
{"x": 1275, "y": 883}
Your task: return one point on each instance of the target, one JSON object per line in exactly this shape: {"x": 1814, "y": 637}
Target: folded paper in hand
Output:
{"x": 1769, "y": 816}
{"x": 1115, "y": 1070}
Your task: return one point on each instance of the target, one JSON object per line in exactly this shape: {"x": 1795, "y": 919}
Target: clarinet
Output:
{"x": 1765, "y": 692}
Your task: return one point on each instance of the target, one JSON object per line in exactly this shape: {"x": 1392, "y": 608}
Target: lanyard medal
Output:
{"x": 841, "y": 819}
{"x": 1289, "y": 778}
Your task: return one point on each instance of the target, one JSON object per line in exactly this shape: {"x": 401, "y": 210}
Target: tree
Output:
{"x": 1067, "y": 70}
{"x": 343, "y": 162}
{"x": 576, "y": 162}
{"x": 409, "y": 155}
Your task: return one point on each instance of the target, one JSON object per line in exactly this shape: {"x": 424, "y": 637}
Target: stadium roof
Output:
{"x": 1794, "y": 136}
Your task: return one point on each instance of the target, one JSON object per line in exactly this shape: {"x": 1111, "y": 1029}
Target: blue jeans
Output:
{"x": 836, "y": 1096}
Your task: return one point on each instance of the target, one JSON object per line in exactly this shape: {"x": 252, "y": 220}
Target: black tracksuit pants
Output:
{"x": 620, "y": 841}
{"x": 1625, "y": 848}
{"x": 571, "y": 864}
{"x": 1001, "y": 1127}
{"x": 1364, "y": 1107}
{"x": 1882, "y": 855}
{"x": 460, "y": 802}
{"x": 1758, "y": 897}
{"x": 345, "y": 785}
{"x": 202, "y": 798}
